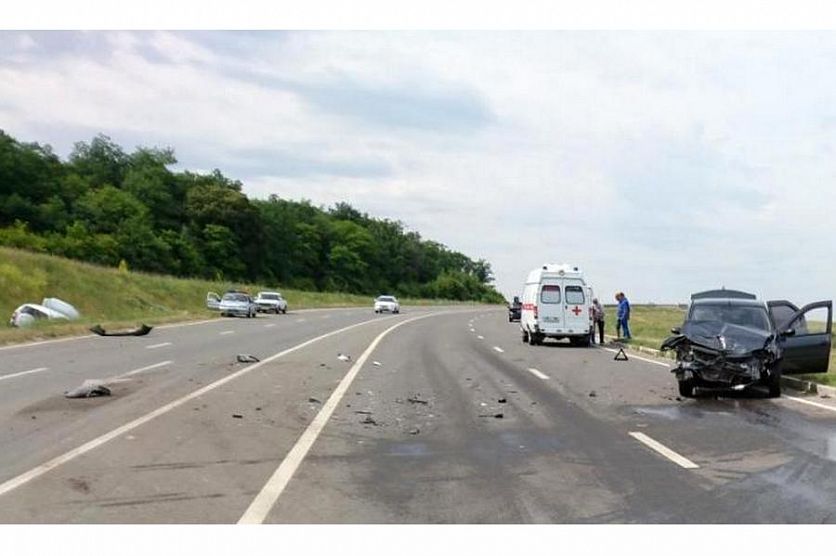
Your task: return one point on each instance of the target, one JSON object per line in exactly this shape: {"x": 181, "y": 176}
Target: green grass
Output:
{"x": 651, "y": 325}
{"x": 122, "y": 299}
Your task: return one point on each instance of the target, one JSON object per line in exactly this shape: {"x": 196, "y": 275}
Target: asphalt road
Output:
{"x": 441, "y": 415}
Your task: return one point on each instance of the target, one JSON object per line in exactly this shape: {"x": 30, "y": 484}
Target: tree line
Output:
{"x": 107, "y": 206}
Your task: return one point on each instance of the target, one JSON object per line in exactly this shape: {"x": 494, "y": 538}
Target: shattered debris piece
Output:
{"x": 142, "y": 330}
{"x": 502, "y": 400}
{"x": 363, "y": 412}
{"x": 343, "y": 357}
{"x": 483, "y": 404}
{"x": 376, "y": 363}
{"x": 369, "y": 421}
{"x": 313, "y": 400}
{"x": 416, "y": 399}
{"x": 399, "y": 400}
{"x": 237, "y": 416}
{"x": 258, "y": 409}
{"x": 247, "y": 358}
{"x": 89, "y": 389}
{"x": 499, "y": 416}
{"x": 414, "y": 430}
{"x": 592, "y": 393}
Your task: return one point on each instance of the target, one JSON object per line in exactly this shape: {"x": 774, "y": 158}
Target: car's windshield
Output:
{"x": 751, "y": 316}
{"x": 235, "y": 297}
{"x": 268, "y": 296}
{"x": 385, "y": 298}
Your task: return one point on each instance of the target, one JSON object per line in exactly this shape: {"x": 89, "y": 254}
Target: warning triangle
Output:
{"x": 620, "y": 356}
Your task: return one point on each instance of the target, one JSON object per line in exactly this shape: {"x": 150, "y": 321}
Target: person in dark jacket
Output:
{"x": 623, "y": 316}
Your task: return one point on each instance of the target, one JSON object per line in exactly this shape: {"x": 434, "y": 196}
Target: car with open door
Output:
{"x": 730, "y": 340}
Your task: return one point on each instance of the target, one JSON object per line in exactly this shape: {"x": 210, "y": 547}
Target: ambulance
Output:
{"x": 556, "y": 303}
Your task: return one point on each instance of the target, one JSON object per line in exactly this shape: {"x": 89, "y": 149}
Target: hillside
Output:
{"x": 119, "y": 298}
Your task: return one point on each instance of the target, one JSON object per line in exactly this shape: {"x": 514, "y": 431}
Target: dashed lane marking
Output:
{"x": 148, "y": 368}
{"x": 660, "y": 448}
{"x": 15, "y": 375}
{"x": 155, "y": 346}
{"x": 538, "y": 374}
{"x": 227, "y": 332}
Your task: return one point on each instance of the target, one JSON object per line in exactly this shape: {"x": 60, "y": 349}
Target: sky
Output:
{"x": 661, "y": 163}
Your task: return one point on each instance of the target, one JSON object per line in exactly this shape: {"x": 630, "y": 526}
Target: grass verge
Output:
{"x": 118, "y": 299}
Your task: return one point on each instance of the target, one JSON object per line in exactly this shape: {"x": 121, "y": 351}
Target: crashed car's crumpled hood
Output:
{"x": 731, "y": 339}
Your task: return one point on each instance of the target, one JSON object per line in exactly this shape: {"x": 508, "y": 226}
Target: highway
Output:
{"x": 437, "y": 415}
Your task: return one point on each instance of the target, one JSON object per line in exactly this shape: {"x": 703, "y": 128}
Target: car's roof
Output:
{"x": 42, "y": 309}
{"x": 271, "y": 293}
{"x": 728, "y": 301}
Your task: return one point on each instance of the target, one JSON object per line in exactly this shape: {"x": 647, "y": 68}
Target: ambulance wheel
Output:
{"x": 525, "y": 336}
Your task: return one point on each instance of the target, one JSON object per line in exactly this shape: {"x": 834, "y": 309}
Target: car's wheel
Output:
{"x": 686, "y": 388}
{"x": 525, "y": 336}
{"x": 284, "y": 311}
{"x": 774, "y": 384}
{"x": 583, "y": 342}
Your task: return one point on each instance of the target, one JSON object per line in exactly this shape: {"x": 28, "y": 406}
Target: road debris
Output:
{"x": 313, "y": 400}
{"x": 237, "y": 416}
{"x": 343, "y": 357}
{"x": 592, "y": 393}
{"x": 369, "y": 421}
{"x": 142, "y": 330}
{"x": 416, "y": 399}
{"x": 89, "y": 389}
{"x": 363, "y": 412}
{"x": 414, "y": 430}
{"x": 247, "y": 358}
{"x": 502, "y": 400}
{"x": 376, "y": 363}
{"x": 494, "y": 415}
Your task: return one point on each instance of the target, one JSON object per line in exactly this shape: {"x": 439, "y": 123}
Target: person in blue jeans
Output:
{"x": 623, "y": 316}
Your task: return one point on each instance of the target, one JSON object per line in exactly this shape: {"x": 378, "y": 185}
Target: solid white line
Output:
{"x": 155, "y": 346}
{"x": 664, "y": 450}
{"x": 36, "y": 472}
{"x": 538, "y": 374}
{"x": 271, "y": 325}
{"x": 499, "y": 349}
{"x": 267, "y": 497}
{"x": 808, "y": 402}
{"x": 148, "y": 368}
{"x": 227, "y": 332}
{"x": 38, "y": 370}
{"x": 631, "y": 356}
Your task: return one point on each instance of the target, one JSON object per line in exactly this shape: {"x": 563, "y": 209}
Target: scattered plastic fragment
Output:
{"x": 313, "y": 400}
{"x": 343, "y": 357}
{"x": 237, "y": 416}
{"x": 502, "y": 400}
{"x": 414, "y": 430}
{"x": 416, "y": 399}
{"x": 141, "y": 331}
{"x": 592, "y": 393}
{"x": 89, "y": 389}
{"x": 369, "y": 421}
{"x": 247, "y": 358}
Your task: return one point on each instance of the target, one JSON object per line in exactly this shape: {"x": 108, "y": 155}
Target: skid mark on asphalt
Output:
{"x": 660, "y": 448}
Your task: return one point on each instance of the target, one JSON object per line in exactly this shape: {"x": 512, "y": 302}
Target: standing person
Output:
{"x": 623, "y": 316}
{"x": 597, "y": 319}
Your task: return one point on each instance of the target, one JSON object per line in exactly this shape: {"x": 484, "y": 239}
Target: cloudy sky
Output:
{"x": 661, "y": 163}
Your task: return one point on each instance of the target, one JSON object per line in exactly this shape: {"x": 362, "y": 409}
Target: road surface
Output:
{"x": 438, "y": 415}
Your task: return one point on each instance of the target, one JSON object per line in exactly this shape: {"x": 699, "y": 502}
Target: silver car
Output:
{"x": 237, "y": 305}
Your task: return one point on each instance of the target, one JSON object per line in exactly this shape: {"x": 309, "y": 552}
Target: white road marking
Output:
{"x": 267, "y": 497}
{"x": 38, "y": 370}
{"x": 664, "y": 450}
{"x": 499, "y": 349}
{"x": 227, "y": 332}
{"x": 538, "y": 374}
{"x": 271, "y": 325}
{"x": 148, "y": 368}
{"x": 36, "y": 472}
{"x": 155, "y": 346}
{"x": 631, "y": 356}
{"x": 481, "y": 337}
{"x": 808, "y": 402}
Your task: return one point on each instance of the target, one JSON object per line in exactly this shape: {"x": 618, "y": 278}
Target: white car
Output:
{"x": 51, "y": 308}
{"x": 387, "y": 303}
{"x": 271, "y": 302}
{"x": 237, "y": 304}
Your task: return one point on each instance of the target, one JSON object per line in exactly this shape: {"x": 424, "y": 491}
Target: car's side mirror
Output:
{"x": 788, "y": 332}
{"x": 676, "y": 330}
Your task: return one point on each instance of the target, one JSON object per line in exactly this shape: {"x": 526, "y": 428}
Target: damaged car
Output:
{"x": 731, "y": 341}
{"x": 51, "y": 308}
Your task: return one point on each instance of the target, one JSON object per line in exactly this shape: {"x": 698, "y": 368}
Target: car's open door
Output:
{"x": 213, "y": 301}
{"x": 806, "y": 338}
{"x": 781, "y": 311}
